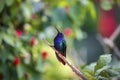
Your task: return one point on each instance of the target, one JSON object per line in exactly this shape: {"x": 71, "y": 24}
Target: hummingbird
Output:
{"x": 60, "y": 45}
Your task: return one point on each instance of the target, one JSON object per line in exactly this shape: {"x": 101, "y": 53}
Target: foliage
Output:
{"x": 101, "y": 70}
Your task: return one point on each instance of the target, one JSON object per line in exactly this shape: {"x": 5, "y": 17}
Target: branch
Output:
{"x": 112, "y": 38}
{"x": 110, "y": 41}
{"x": 80, "y": 74}
{"x": 115, "y": 34}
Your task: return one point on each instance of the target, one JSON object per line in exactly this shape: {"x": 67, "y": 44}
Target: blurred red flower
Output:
{"x": 107, "y": 22}
{"x": 16, "y": 60}
{"x": 18, "y": 32}
{"x": 44, "y": 54}
{"x": 68, "y": 31}
{"x": 33, "y": 40}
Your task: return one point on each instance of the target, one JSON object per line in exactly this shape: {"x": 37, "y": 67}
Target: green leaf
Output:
{"x": 2, "y": 3}
{"x": 36, "y": 76}
{"x": 39, "y": 65}
{"x": 91, "y": 66}
{"x": 103, "y": 61}
{"x": 106, "y": 5}
{"x": 6, "y": 72}
{"x": 26, "y": 12}
{"x": 1, "y": 37}
{"x": 9, "y": 40}
{"x": 89, "y": 74}
{"x": 91, "y": 9}
{"x": 102, "y": 78}
{"x": 60, "y": 17}
{"x": 108, "y": 73}
{"x": 78, "y": 34}
{"x": 20, "y": 71}
{"x": 101, "y": 70}
{"x": 111, "y": 73}
{"x": 9, "y": 2}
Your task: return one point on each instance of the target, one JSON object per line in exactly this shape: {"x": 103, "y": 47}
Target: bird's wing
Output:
{"x": 64, "y": 48}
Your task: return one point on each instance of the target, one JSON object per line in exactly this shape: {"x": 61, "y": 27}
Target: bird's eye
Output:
{"x": 61, "y": 34}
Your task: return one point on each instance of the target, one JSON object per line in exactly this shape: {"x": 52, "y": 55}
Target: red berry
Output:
{"x": 16, "y": 61}
{"x": 44, "y": 55}
{"x": 68, "y": 31}
{"x": 18, "y": 32}
{"x": 33, "y": 41}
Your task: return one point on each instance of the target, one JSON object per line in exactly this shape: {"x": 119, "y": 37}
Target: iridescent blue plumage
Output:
{"x": 60, "y": 45}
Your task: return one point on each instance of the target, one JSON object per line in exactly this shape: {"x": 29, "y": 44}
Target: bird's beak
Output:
{"x": 57, "y": 29}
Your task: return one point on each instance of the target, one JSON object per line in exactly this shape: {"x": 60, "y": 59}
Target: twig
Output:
{"x": 110, "y": 41}
{"x": 115, "y": 34}
{"x": 112, "y": 38}
{"x": 80, "y": 74}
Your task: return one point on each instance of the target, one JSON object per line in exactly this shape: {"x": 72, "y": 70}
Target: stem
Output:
{"x": 80, "y": 74}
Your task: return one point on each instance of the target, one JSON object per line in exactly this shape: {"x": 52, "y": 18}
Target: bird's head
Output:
{"x": 60, "y": 35}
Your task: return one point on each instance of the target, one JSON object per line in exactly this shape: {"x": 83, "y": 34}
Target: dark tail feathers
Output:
{"x": 60, "y": 59}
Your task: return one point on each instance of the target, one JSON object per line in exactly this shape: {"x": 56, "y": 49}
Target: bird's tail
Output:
{"x": 60, "y": 59}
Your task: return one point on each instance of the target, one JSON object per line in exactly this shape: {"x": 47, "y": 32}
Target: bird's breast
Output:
{"x": 57, "y": 45}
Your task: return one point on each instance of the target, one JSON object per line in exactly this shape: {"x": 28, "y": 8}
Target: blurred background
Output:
{"x": 88, "y": 25}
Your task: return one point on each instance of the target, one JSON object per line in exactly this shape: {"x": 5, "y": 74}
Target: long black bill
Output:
{"x": 57, "y": 29}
